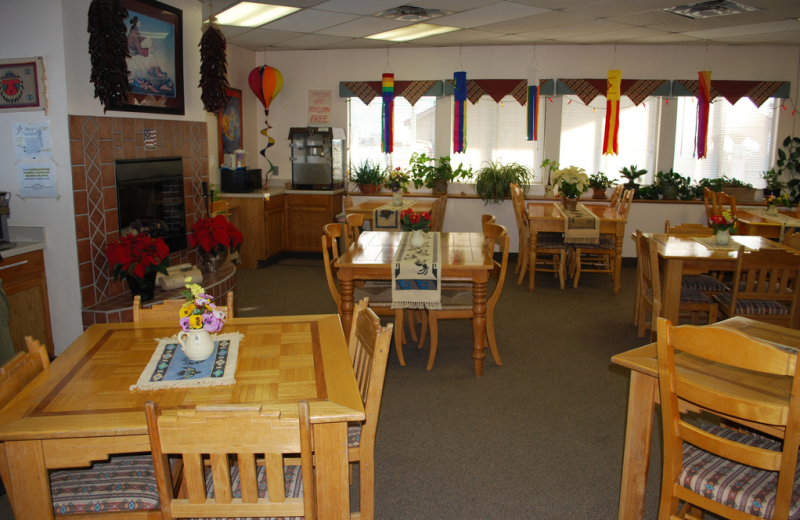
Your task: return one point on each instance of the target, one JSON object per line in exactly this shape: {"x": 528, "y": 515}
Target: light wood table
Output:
{"x": 367, "y": 208}
{"x": 755, "y": 225}
{"x": 465, "y": 257}
{"x": 81, "y": 409}
{"x": 644, "y": 395}
{"x": 546, "y": 218}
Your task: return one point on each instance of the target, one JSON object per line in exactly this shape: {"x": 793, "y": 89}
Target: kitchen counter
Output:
{"x": 273, "y": 191}
{"x": 27, "y": 238}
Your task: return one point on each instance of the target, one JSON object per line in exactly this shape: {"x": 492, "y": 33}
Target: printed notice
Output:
{"x": 37, "y": 180}
{"x": 33, "y": 140}
{"x": 319, "y": 107}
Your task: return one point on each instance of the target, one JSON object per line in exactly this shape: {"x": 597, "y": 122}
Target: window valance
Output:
{"x": 497, "y": 89}
{"x": 637, "y": 90}
{"x": 757, "y": 91}
{"x": 366, "y": 91}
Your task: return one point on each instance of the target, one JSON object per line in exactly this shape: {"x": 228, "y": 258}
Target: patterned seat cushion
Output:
{"x": 121, "y": 484}
{"x": 704, "y": 283}
{"x": 742, "y": 287}
{"x": 738, "y": 486}
{"x": 745, "y": 307}
{"x": 353, "y": 435}
{"x": 687, "y": 296}
{"x": 545, "y": 241}
{"x": 606, "y": 244}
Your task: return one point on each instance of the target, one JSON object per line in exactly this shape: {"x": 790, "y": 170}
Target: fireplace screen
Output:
{"x": 150, "y": 199}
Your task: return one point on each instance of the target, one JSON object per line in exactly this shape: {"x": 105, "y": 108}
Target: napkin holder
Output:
{"x": 176, "y": 276}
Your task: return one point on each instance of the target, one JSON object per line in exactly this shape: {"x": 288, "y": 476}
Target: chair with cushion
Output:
{"x": 17, "y": 372}
{"x": 457, "y": 303}
{"x": 705, "y": 283}
{"x": 650, "y": 291}
{"x": 168, "y": 309}
{"x": 616, "y": 196}
{"x": 764, "y": 290}
{"x": 245, "y": 488}
{"x": 720, "y": 470}
{"x": 369, "y": 353}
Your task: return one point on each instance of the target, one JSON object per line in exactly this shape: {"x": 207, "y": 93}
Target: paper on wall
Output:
{"x": 319, "y": 107}
{"x": 37, "y": 179}
{"x": 32, "y": 140}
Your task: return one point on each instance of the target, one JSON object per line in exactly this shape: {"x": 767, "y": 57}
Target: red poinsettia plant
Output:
{"x": 415, "y": 221}
{"x": 137, "y": 255}
{"x": 215, "y": 236}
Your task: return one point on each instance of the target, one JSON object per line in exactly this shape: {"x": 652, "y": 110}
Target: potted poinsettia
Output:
{"x": 138, "y": 258}
{"x": 214, "y": 237}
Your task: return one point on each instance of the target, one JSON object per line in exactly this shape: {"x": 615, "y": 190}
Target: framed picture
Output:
{"x": 22, "y": 85}
{"x": 155, "y": 67}
{"x": 229, "y": 122}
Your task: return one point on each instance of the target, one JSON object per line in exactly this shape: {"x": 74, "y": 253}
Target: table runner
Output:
{"x": 711, "y": 243}
{"x": 387, "y": 217}
{"x": 581, "y": 226}
{"x": 416, "y": 273}
{"x": 784, "y": 220}
{"x": 170, "y": 368}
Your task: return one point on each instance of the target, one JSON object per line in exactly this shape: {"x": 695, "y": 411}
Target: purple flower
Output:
{"x": 185, "y": 324}
{"x": 211, "y": 323}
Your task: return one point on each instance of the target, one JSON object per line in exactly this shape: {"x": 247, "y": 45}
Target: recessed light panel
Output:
{"x": 250, "y": 14}
{"x": 412, "y": 32}
{"x": 709, "y": 9}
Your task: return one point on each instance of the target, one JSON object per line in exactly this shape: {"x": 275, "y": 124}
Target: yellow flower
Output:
{"x": 186, "y": 310}
{"x": 196, "y": 321}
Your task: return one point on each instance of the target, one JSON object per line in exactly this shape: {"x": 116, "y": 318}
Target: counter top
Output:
{"x": 272, "y": 191}
{"x": 27, "y": 238}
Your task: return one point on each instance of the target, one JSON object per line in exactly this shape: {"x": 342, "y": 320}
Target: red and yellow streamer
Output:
{"x": 613, "y": 94}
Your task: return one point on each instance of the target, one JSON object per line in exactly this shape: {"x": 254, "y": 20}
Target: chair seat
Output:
{"x": 606, "y": 244}
{"x": 745, "y": 307}
{"x": 353, "y": 435}
{"x": 704, "y": 283}
{"x": 687, "y": 296}
{"x": 550, "y": 241}
{"x": 743, "y": 287}
{"x": 121, "y": 484}
{"x": 738, "y": 486}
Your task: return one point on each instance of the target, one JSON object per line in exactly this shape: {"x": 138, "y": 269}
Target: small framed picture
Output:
{"x": 22, "y": 85}
{"x": 229, "y": 121}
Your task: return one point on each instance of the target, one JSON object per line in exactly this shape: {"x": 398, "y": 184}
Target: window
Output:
{"x": 582, "y": 129}
{"x": 497, "y": 132}
{"x": 741, "y": 138}
{"x": 414, "y": 130}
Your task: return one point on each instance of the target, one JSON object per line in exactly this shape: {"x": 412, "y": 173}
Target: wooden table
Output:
{"x": 644, "y": 394}
{"x": 465, "y": 257}
{"x": 82, "y": 410}
{"x": 755, "y": 225}
{"x": 545, "y": 217}
{"x": 367, "y": 208}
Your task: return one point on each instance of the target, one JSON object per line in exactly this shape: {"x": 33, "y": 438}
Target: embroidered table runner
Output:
{"x": 711, "y": 243}
{"x": 387, "y": 217}
{"x": 416, "y": 273}
{"x": 170, "y": 368}
{"x": 581, "y": 226}
{"x": 782, "y": 219}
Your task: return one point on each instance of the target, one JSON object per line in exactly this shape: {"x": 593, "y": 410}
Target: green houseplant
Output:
{"x": 670, "y": 183}
{"x": 774, "y": 182}
{"x": 551, "y": 167}
{"x": 426, "y": 172}
{"x": 369, "y": 176}
{"x": 599, "y": 184}
{"x": 789, "y": 161}
{"x": 742, "y": 191}
{"x": 492, "y": 182}
{"x": 631, "y": 174}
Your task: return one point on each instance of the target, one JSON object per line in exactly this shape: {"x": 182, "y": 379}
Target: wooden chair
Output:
{"x": 715, "y": 203}
{"x": 792, "y": 239}
{"x": 369, "y": 353}
{"x": 379, "y": 296}
{"x": 457, "y": 303}
{"x": 551, "y": 244}
{"x": 353, "y": 224}
{"x": 17, "y": 372}
{"x": 438, "y": 224}
{"x": 225, "y": 490}
{"x": 694, "y": 230}
{"x": 347, "y": 201}
{"x": 219, "y": 207}
{"x": 168, "y": 309}
{"x": 616, "y": 196}
{"x": 719, "y": 464}
{"x": 764, "y": 289}
{"x": 436, "y": 209}
{"x": 650, "y": 291}
{"x": 705, "y": 283}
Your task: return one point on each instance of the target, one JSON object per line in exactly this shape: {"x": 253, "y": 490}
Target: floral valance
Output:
{"x": 757, "y": 91}
{"x": 497, "y": 89}
{"x": 637, "y": 90}
{"x": 366, "y": 91}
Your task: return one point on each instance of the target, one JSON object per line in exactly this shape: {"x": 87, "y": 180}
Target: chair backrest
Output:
{"x": 330, "y": 253}
{"x": 792, "y": 239}
{"x": 168, "y": 309}
{"x": 710, "y": 202}
{"x": 17, "y": 372}
{"x": 648, "y": 267}
{"x": 439, "y": 222}
{"x": 715, "y": 202}
{"x": 697, "y": 230}
{"x": 518, "y": 200}
{"x": 347, "y": 201}
{"x": 616, "y": 195}
{"x": 734, "y": 349}
{"x": 219, "y": 207}
{"x": 625, "y": 202}
{"x": 766, "y": 275}
{"x": 353, "y": 224}
{"x": 723, "y": 199}
{"x": 221, "y": 431}
{"x": 436, "y": 208}
{"x": 497, "y": 235}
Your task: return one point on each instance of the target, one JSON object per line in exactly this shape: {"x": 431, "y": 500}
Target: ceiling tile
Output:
{"x": 454, "y": 6}
{"x": 744, "y": 30}
{"x": 768, "y": 4}
{"x": 361, "y": 43}
{"x": 613, "y": 36}
{"x": 311, "y": 41}
{"x": 577, "y": 29}
{"x": 231, "y": 32}
{"x": 646, "y": 18}
{"x": 453, "y": 38}
{"x": 309, "y": 21}
{"x": 499, "y": 12}
{"x": 261, "y": 38}
{"x": 358, "y": 6}
{"x": 510, "y": 39}
{"x": 667, "y": 38}
{"x": 783, "y": 38}
{"x": 682, "y": 24}
{"x": 555, "y": 4}
{"x": 531, "y": 23}
{"x": 789, "y": 11}
{"x": 610, "y": 8}
{"x": 365, "y": 26}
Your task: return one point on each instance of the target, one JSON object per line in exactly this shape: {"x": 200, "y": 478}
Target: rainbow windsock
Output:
{"x": 613, "y": 93}
{"x": 460, "y": 112}
{"x": 703, "y": 109}
{"x": 533, "y": 104}
{"x": 387, "y": 128}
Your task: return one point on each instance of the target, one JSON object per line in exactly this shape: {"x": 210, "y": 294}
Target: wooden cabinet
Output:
{"x": 306, "y": 214}
{"x": 25, "y": 284}
{"x": 276, "y": 225}
{"x": 261, "y": 222}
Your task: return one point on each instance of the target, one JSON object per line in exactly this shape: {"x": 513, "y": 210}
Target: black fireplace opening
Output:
{"x": 150, "y": 199}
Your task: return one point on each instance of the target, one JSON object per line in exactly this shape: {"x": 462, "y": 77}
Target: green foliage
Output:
{"x": 734, "y": 183}
{"x": 599, "y": 181}
{"x": 493, "y": 181}
{"x": 773, "y": 179}
{"x": 632, "y": 174}
{"x": 424, "y": 174}
{"x": 550, "y": 166}
{"x": 670, "y": 178}
{"x": 789, "y": 160}
{"x": 711, "y": 184}
{"x": 367, "y": 173}
{"x": 650, "y": 192}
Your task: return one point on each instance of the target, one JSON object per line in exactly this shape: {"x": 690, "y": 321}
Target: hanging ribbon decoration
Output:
{"x": 460, "y": 112}
{"x": 533, "y": 104}
{"x": 613, "y": 95}
{"x": 703, "y": 109}
{"x": 387, "y": 128}
{"x": 266, "y": 83}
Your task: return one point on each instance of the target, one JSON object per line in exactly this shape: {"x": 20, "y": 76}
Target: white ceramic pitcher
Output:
{"x": 196, "y": 344}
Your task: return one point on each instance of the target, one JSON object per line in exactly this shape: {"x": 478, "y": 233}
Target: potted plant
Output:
{"x": 631, "y": 175}
{"x": 670, "y": 183}
{"x": 138, "y": 258}
{"x": 773, "y": 201}
{"x": 572, "y": 182}
{"x": 369, "y": 176}
{"x": 742, "y": 191}
{"x": 417, "y": 223}
{"x": 425, "y": 172}
{"x": 493, "y": 181}
{"x": 652, "y": 192}
{"x": 599, "y": 184}
{"x": 723, "y": 225}
{"x": 397, "y": 180}
{"x": 774, "y": 182}
{"x": 551, "y": 167}
{"x": 789, "y": 160}
{"x": 215, "y": 236}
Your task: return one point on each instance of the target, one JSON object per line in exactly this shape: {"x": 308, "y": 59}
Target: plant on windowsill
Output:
{"x": 572, "y": 182}
{"x": 774, "y": 182}
{"x": 397, "y": 181}
{"x": 670, "y": 183}
{"x": 493, "y": 181}
{"x": 631, "y": 175}
{"x": 436, "y": 175}
{"x": 551, "y": 167}
{"x": 138, "y": 258}
{"x": 599, "y": 184}
{"x": 742, "y": 191}
{"x": 369, "y": 176}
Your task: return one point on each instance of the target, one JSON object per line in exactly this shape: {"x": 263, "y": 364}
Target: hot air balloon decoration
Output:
{"x": 266, "y": 82}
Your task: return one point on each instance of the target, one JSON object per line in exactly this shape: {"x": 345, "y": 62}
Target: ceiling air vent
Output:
{"x": 410, "y": 13}
{"x": 709, "y": 9}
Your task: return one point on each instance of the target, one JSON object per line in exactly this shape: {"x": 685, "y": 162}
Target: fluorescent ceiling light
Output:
{"x": 412, "y": 32}
{"x": 250, "y": 14}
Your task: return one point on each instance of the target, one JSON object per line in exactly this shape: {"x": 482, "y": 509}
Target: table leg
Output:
{"x": 670, "y": 308}
{"x": 618, "y": 261}
{"x": 479, "y": 323}
{"x": 333, "y": 489}
{"x": 27, "y": 472}
{"x": 534, "y": 232}
{"x": 346, "y": 285}
{"x": 638, "y": 437}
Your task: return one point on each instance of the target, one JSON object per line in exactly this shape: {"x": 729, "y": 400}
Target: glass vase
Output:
{"x": 397, "y": 198}
{"x": 569, "y": 203}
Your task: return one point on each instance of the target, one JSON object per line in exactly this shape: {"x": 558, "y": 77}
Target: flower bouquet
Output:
{"x": 572, "y": 182}
{"x": 397, "y": 180}
{"x": 139, "y": 258}
{"x": 723, "y": 225}
{"x": 415, "y": 221}
{"x": 199, "y": 312}
{"x": 215, "y": 236}
{"x": 773, "y": 201}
